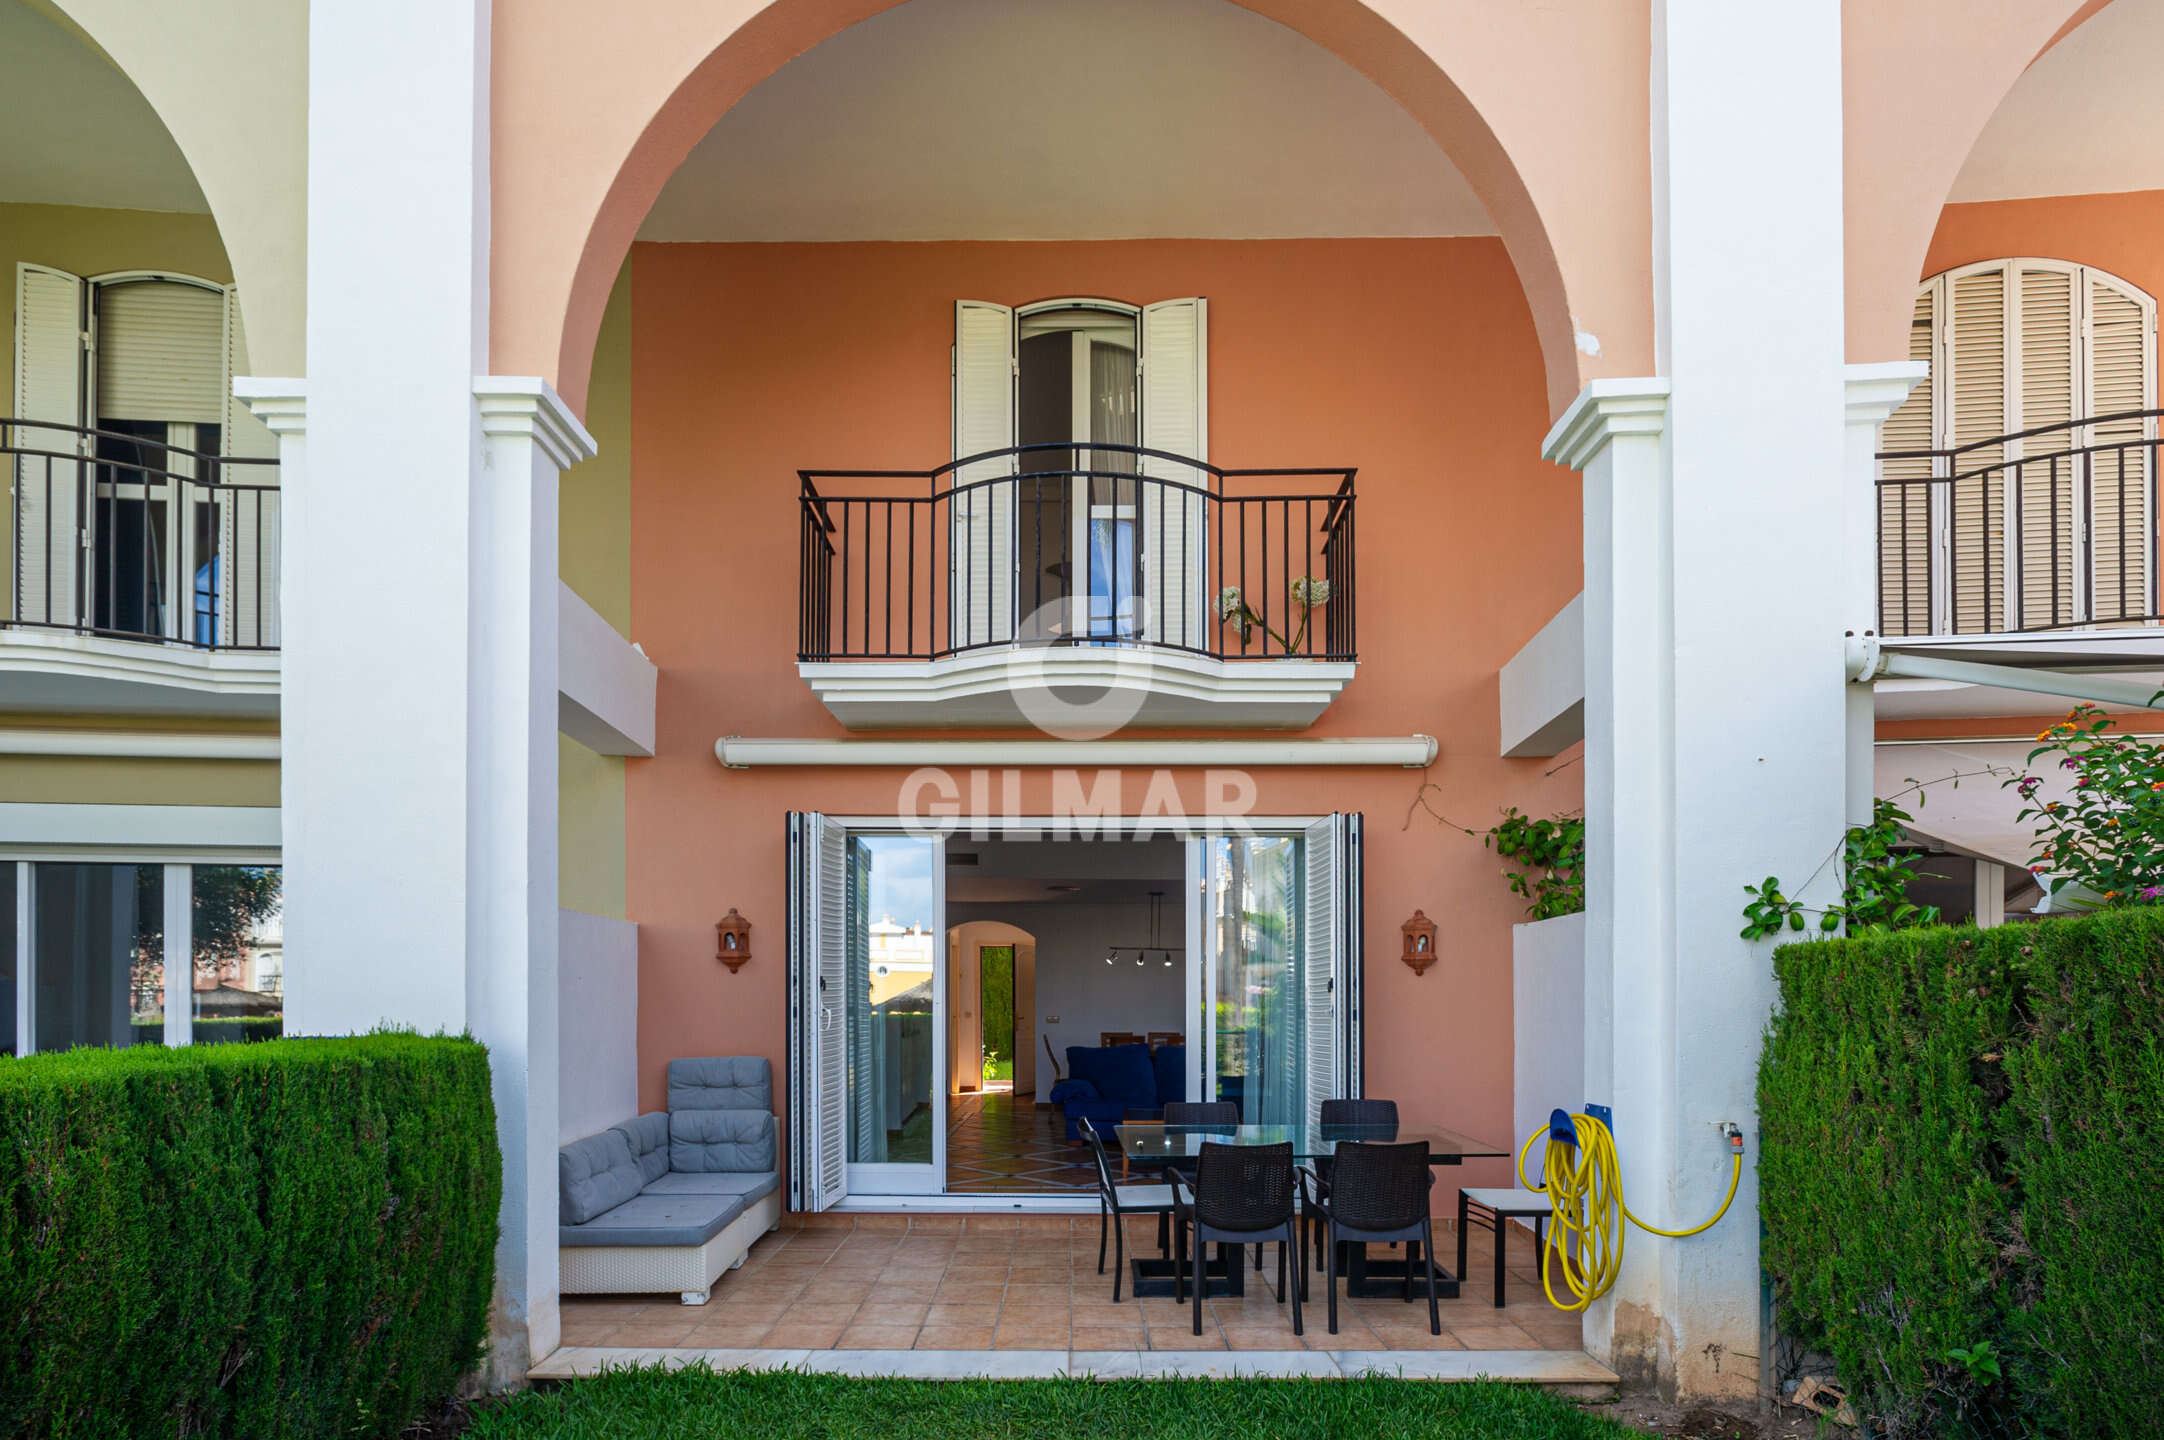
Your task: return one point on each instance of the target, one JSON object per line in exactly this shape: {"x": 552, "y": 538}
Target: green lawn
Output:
{"x": 695, "y": 1403}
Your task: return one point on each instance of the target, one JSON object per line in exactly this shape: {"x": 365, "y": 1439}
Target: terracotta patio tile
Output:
{"x": 588, "y": 1332}
{"x": 877, "y": 1337}
{"x": 1491, "y": 1337}
{"x": 729, "y": 1334}
{"x": 613, "y": 1310}
{"x": 1421, "y": 1340}
{"x": 644, "y": 1332}
{"x": 1351, "y": 1335}
{"x": 1260, "y": 1338}
{"x": 905, "y": 1284}
{"x": 812, "y": 1312}
{"x": 1042, "y": 1297}
{"x": 954, "y": 1337}
{"x": 946, "y": 1315}
{"x": 802, "y": 1337}
{"x": 955, "y": 1292}
{"x": 744, "y": 1308}
{"x": 881, "y": 1310}
{"x": 1182, "y": 1338}
{"x": 935, "y": 1225}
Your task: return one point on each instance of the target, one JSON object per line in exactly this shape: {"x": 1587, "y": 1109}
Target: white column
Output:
{"x": 1874, "y": 392}
{"x": 1612, "y": 433}
{"x": 1990, "y": 894}
{"x": 419, "y": 610}
{"x": 1717, "y": 591}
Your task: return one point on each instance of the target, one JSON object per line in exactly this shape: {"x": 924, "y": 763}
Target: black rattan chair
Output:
{"x": 1216, "y": 1114}
{"x": 1379, "y": 1193}
{"x": 1114, "y": 1202}
{"x": 1242, "y": 1196}
{"x": 1315, "y": 1183}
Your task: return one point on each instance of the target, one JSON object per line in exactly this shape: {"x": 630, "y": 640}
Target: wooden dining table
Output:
{"x": 1160, "y": 1147}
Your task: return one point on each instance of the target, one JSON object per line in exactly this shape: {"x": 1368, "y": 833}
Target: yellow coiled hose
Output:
{"x": 1584, "y": 1186}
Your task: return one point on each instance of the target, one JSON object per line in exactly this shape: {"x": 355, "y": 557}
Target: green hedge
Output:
{"x": 293, "y": 1238}
{"x": 1960, "y": 1138}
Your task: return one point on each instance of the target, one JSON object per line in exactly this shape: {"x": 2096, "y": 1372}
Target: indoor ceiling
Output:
{"x": 78, "y": 132}
{"x": 1086, "y": 872}
{"x": 1065, "y": 119}
{"x": 2087, "y": 117}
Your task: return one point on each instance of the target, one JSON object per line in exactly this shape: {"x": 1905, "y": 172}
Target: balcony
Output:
{"x": 143, "y": 578}
{"x": 2052, "y": 529}
{"x": 1027, "y": 585}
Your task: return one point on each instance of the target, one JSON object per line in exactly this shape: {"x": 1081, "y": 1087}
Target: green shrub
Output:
{"x": 288, "y": 1238}
{"x": 1956, "y": 1153}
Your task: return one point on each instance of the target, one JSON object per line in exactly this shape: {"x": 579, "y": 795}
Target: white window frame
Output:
{"x": 179, "y": 927}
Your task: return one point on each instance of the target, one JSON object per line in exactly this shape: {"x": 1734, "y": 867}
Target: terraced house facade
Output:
{"x": 1048, "y": 525}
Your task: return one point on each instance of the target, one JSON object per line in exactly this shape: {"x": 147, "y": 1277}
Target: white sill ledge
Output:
{"x": 48, "y": 671}
{"x": 1153, "y": 689}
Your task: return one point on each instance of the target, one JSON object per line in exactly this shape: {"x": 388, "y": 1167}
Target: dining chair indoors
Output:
{"x": 1115, "y": 1202}
{"x": 1380, "y": 1193}
{"x": 1242, "y": 1196}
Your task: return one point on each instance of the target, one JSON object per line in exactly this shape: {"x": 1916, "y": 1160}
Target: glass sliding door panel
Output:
{"x": 8, "y": 960}
{"x": 237, "y": 980}
{"x": 1255, "y": 982}
{"x": 893, "y": 949}
{"x": 98, "y": 955}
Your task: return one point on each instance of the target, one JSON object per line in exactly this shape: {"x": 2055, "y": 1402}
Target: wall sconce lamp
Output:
{"x": 732, "y": 940}
{"x": 1419, "y": 942}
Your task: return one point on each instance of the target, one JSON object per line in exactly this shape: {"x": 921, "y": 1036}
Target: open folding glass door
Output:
{"x": 1276, "y": 997}
{"x": 867, "y": 1001}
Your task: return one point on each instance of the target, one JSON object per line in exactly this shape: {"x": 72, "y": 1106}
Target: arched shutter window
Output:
{"x": 161, "y": 352}
{"x": 1175, "y": 418}
{"x": 983, "y": 513}
{"x": 2027, "y": 531}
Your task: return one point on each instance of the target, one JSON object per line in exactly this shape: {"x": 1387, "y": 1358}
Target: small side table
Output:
{"x": 1497, "y": 1208}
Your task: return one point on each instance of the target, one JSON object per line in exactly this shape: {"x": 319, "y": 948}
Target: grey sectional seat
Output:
{"x": 686, "y": 1185}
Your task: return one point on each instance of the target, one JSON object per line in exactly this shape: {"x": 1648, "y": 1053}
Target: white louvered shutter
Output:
{"x": 2121, "y": 370}
{"x": 1322, "y": 921}
{"x": 822, "y": 951}
{"x": 1176, "y": 419}
{"x": 1975, "y": 359}
{"x": 983, "y": 540}
{"x": 50, "y": 493}
{"x": 2045, "y": 385}
{"x": 1905, "y": 500}
{"x": 161, "y": 352}
{"x": 249, "y": 531}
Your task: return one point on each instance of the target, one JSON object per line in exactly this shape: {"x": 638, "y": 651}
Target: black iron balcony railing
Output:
{"x": 119, "y": 533}
{"x": 2052, "y": 528}
{"x": 1068, "y": 545}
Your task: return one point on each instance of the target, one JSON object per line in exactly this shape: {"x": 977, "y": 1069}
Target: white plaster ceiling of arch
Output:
{"x": 2086, "y": 119}
{"x": 77, "y": 131}
{"x": 1065, "y": 119}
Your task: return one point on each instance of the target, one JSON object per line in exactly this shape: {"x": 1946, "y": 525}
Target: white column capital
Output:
{"x": 1603, "y": 411}
{"x": 280, "y": 402}
{"x": 527, "y": 405}
{"x": 1873, "y": 392}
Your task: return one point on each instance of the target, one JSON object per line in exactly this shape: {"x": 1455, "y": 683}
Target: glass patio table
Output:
{"x": 1163, "y": 1146}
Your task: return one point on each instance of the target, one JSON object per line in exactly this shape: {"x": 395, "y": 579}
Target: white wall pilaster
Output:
{"x": 1874, "y": 392}
{"x": 1613, "y": 434}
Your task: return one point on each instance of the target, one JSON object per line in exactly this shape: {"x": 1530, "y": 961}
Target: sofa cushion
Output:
{"x": 595, "y": 1176}
{"x": 710, "y": 1141}
{"x": 648, "y": 1137}
{"x": 1170, "y": 1064}
{"x": 1121, "y": 1073}
{"x": 721, "y": 1082}
{"x": 753, "y": 1185}
{"x": 657, "y": 1220}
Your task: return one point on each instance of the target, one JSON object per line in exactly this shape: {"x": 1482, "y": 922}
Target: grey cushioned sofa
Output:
{"x": 669, "y": 1200}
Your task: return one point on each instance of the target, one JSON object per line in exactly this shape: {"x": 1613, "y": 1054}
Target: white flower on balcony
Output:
{"x": 1308, "y": 592}
{"x": 1231, "y": 606}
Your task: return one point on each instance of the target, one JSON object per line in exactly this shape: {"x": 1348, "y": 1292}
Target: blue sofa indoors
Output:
{"x": 669, "y": 1200}
{"x": 1105, "y": 1083}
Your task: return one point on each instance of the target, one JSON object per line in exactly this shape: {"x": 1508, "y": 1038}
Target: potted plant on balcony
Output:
{"x": 1307, "y": 594}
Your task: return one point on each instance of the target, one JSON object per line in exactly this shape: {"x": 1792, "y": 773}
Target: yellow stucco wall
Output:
{"x": 104, "y": 780}
{"x": 594, "y": 557}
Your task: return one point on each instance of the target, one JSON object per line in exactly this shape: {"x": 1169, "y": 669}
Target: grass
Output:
{"x": 695, "y": 1403}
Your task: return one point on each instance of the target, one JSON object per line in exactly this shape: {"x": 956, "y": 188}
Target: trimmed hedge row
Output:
{"x": 288, "y": 1238}
{"x": 1961, "y": 1135}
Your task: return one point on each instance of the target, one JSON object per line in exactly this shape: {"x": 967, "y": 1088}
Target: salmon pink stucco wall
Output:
{"x": 2122, "y": 233}
{"x": 1414, "y": 360}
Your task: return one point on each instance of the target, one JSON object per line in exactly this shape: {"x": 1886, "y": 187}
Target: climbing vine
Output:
{"x": 1875, "y": 875}
{"x": 2107, "y": 836}
{"x": 1552, "y": 856}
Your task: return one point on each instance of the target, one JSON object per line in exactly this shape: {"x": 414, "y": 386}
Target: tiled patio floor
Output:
{"x": 952, "y": 1282}
{"x": 1000, "y": 1141}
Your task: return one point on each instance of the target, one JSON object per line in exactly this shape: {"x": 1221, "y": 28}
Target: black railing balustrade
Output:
{"x": 1078, "y": 546}
{"x": 121, "y": 534}
{"x": 2052, "y": 528}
